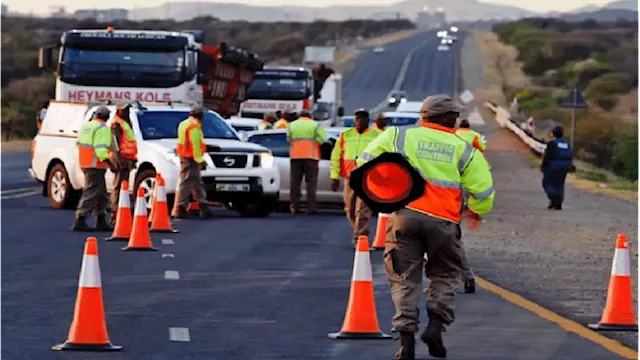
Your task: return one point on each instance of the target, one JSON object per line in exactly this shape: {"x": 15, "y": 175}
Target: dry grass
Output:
{"x": 391, "y": 37}
{"x": 500, "y": 67}
{"x": 627, "y": 107}
{"x": 15, "y": 145}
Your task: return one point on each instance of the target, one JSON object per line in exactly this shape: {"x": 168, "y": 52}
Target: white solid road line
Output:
{"x": 401, "y": 75}
{"x": 171, "y": 275}
{"x": 179, "y": 334}
{"x": 13, "y": 191}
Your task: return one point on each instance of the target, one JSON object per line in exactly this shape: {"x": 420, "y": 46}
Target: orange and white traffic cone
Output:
{"x": 381, "y": 232}
{"x": 140, "y": 240}
{"x": 160, "y": 221}
{"x": 122, "y": 230}
{"x": 361, "y": 320}
{"x": 88, "y": 330}
{"x": 618, "y": 314}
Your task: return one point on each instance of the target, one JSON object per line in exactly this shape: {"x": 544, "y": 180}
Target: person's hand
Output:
{"x": 335, "y": 184}
{"x": 473, "y": 219}
{"x": 113, "y": 164}
{"x": 202, "y": 165}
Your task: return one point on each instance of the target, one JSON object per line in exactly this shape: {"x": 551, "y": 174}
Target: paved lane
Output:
{"x": 247, "y": 289}
{"x": 14, "y": 165}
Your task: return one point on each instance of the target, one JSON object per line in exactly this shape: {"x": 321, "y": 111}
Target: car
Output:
{"x": 378, "y": 49}
{"x": 240, "y": 175}
{"x": 276, "y": 141}
{"x": 242, "y": 125}
{"x": 443, "y": 48}
{"x": 410, "y": 107}
{"x": 394, "y": 118}
{"x": 396, "y": 97}
{"x": 441, "y": 33}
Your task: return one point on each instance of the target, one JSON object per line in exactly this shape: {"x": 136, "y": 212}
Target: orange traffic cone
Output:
{"x": 140, "y": 239}
{"x": 160, "y": 221}
{"x": 122, "y": 230}
{"x": 618, "y": 313}
{"x": 381, "y": 231}
{"x": 361, "y": 321}
{"x": 88, "y": 330}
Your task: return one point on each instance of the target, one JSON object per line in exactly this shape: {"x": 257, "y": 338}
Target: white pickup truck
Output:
{"x": 241, "y": 175}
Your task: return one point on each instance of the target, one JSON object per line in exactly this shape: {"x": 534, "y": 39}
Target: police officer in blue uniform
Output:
{"x": 556, "y": 163}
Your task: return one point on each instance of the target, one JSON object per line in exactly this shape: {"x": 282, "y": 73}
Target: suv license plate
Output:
{"x": 232, "y": 187}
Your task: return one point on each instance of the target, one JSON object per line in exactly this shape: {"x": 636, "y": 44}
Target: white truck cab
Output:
{"x": 241, "y": 175}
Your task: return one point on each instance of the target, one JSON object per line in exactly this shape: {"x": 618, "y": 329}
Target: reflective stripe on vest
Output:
{"x": 304, "y": 144}
{"x": 472, "y": 137}
{"x": 185, "y": 143}
{"x": 281, "y": 124}
{"x": 88, "y": 142}
{"x": 443, "y": 157}
{"x": 128, "y": 145}
{"x": 264, "y": 125}
{"x": 352, "y": 144}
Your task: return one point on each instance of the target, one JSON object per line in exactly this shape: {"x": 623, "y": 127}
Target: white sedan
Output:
{"x": 378, "y": 49}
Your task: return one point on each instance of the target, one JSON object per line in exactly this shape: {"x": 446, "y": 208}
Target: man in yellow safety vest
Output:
{"x": 124, "y": 150}
{"x": 305, "y": 136}
{"x": 191, "y": 148}
{"x": 284, "y": 121}
{"x": 381, "y": 121}
{"x": 349, "y": 146}
{"x": 470, "y": 136}
{"x": 267, "y": 122}
{"x": 431, "y": 223}
{"x": 94, "y": 142}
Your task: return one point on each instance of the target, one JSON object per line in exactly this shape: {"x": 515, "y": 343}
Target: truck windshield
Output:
{"x": 126, "y": 68}
{"x": 164, "y": 125}
{"x": 278, "y": 89}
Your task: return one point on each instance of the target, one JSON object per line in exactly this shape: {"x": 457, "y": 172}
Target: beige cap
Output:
{"x": 435, "y": 105}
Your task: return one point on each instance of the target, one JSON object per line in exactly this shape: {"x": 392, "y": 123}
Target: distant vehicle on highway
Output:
{"x": 378, "y": 49}
{"x": 396, "y": 98}
{"x": 441, "y": 33}
{"x": 242, "y": 125}
{"x": 446, "y": 41}
{"x": 240, "y": 175}
{"x": 410, "y": 107}
{"x": 276, "y": 141}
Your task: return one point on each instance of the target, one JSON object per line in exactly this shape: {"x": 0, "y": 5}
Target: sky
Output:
{"x": 43, "y": 6}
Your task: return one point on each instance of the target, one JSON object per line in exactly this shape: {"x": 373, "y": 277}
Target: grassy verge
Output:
{"x": 15, "y": 145}
{"x": 344, "y": 56}
{"x": 599, "y": 181}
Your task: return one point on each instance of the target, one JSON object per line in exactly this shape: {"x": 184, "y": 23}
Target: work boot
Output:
{"x": 470, "y": 286}
{"x": 205, "y": 211}
{"x": 407, "y": 349}
{"x": 551, "y": 205}
{"x": 102, "y": 224}
{"x": 80, "y": 224}
{"x": 181, "y": 213}
{"x": 432, "y": 336}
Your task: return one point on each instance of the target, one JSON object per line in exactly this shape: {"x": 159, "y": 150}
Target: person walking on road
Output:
{"x": 124, "y": 150}
{"x": 267, "y": 122}
{"x": 431, "y": 223}
{"x": 381, "y": 121}
{"x": 349, "y": 146}
{"x": 191, "y": 148}
{"x": 470, "y": 136}
{"x": 557, "y": 161}
{"x": 94, "y": 142}
{"x": 305, "y": 136}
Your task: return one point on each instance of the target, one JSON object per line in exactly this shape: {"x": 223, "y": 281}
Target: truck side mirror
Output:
{"x": 341, "y": 111}
{"x": 45, "y": 57}
{"x": 204, "y": 62}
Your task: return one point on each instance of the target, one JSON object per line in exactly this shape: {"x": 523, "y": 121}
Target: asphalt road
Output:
{"x": 14, "y": 165}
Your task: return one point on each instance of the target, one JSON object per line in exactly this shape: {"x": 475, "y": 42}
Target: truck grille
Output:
{"x": 226, "y": 161}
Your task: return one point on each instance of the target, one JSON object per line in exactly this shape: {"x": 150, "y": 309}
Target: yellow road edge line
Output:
{"x": 566, "y": 324}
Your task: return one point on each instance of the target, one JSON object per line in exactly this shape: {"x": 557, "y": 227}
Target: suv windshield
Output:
{"x": 164, "y": 125}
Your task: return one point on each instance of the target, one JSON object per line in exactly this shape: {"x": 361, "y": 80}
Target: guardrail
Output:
{"x": 503, "y": 117}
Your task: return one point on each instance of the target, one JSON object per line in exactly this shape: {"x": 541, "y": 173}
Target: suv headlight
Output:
{"x": 266, "y": 160}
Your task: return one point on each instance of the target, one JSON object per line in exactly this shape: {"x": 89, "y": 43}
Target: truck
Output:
{"x": 149, "y": 66}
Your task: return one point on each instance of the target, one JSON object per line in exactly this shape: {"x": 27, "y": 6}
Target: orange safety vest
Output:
{"x": 304, "y": 134}
{"x": 128, "y": 145}
{"x": 349, "y": 146}
{"x": 185, "y": 148}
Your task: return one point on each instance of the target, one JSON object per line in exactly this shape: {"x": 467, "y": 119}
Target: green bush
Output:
{"x": 607, "y": 85}
{"x": 625, "y": 153}
{"x": 608, "y": 103}
{"x": 535, "y": 104}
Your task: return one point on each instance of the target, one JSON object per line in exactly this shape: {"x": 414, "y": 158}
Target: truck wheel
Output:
{"x": 147, "y": 180}
{"x": 59, "y": 189}
{"x": 262, "y": 209}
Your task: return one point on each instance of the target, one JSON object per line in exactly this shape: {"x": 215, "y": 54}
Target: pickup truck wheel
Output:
{"x": 147, "y": 180}
{"x": 59, "y": 189}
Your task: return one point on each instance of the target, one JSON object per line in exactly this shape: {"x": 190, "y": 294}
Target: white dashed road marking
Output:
{"x": 167, "y": 242}
{"x": 18, "y": 193}
{"x": 171, "y": 275}
{"x": 179, "y": 334}
{"x": 167, "y": 255}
